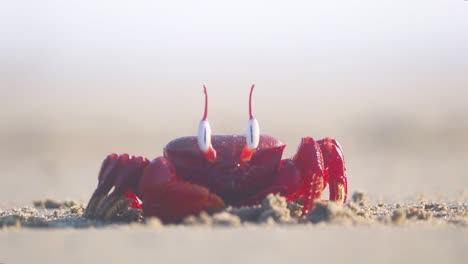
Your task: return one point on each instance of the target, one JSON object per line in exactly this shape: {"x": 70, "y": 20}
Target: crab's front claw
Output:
{"x": 122, "y": 174}
{"x": 309, "y": 161}
{"x": 335, "y": 169}
{"x": 170, "y": 198}
{"x": 320, "y": 163}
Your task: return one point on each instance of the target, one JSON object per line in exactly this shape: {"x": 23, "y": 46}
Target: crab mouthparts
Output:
{"x": 247, "y": 153}
{"x": 210, "y": 154}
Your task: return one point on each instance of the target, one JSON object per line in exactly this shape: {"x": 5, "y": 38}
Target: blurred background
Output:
{"x": 81, "y": 79}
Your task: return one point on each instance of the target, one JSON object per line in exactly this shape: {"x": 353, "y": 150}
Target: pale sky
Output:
{"x": 83, "y": 49}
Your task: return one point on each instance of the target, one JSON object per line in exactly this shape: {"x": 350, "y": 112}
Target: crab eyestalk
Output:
{"x": 252, "y": 134}
{"x": 204, "y": 133}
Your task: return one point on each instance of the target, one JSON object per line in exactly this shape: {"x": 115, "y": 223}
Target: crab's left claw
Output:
{"x": 321, "y": 162}
{"x": 335, "y": 169}
{"x": 309, "y": 161}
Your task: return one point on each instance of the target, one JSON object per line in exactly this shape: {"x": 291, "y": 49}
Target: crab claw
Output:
{"x": 335, "y": 169}
{"x": 321, "y": 162}
{"x": 309, "y": 160}
{"x": 170, "y": 198}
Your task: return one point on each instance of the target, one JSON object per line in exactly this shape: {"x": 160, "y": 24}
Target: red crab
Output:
{"x": 204, "y": 173}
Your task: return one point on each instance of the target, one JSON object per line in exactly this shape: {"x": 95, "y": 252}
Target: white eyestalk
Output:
{"x": 204, "y": 133}
{"x": 252, "y": 134}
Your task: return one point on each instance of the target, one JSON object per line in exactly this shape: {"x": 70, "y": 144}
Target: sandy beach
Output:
{"x": 336, "y": 244}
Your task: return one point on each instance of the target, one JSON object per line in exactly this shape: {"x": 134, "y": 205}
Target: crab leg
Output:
{"x": 170, "y": 198}
{"x": 335, "y": 169}
{"x": 122, "y": 173}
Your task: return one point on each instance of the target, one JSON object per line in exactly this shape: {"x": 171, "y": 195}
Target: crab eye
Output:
{"x": 204, "y": 135}
{"x": 253, "y": 133}
{"x": 253, "y": 129}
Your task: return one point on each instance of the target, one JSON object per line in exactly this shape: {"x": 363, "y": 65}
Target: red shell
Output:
{"x": 229, "y": 177}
